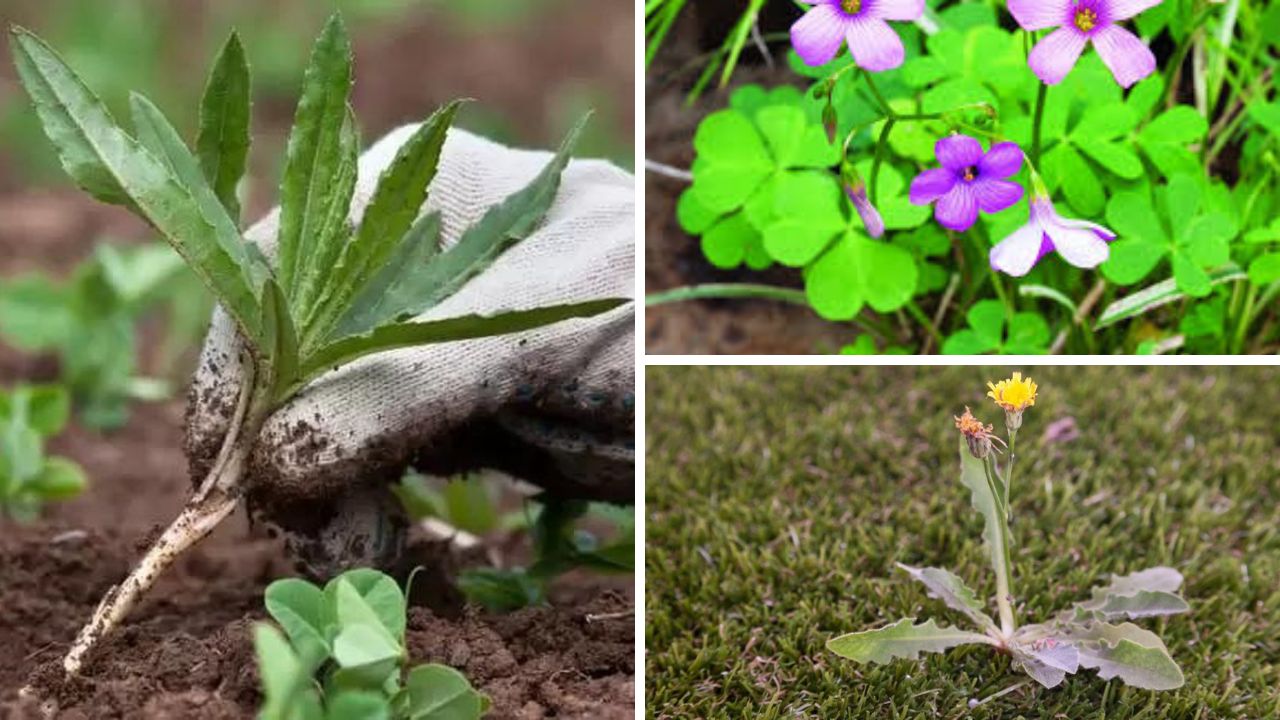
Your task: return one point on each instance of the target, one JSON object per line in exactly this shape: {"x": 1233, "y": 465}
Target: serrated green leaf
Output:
{"x": 396, "y": 285}
{"x": 438, "y": 692}
{"x": 901, "y": 640}
{"x": 114, "y": 167}
{"x": 951, "y": 590}
{"x": 982, "y": 496}
{"x": 502, "y": 226}
{"x": 313, "y": 203}
{"x": 467, "y": 327}
{"x": 1138, "y": 657}
{"x": 222, "y": 143}
{"x": 1144, "y": 603}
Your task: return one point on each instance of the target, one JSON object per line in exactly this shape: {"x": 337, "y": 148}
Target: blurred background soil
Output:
{"x": 533, "y": 67}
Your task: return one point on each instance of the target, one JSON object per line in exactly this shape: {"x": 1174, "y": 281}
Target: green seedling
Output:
{"x": 342, "y": 655}
{"x": 1085, "y": 636}
{"x": 558, "y": 547}
{"x": 335, "y": 292}
{"x": 91, "y": 323}
{"x": 28, "y": 479}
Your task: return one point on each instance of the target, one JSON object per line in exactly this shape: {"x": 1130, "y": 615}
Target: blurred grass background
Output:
{"x": 534, "y": 66}
{"x": 778, "y": 500}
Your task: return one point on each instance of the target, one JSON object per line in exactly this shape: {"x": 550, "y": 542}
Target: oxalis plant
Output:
{"x": 1087, "y": 635}
{"x": 336, "y": 291}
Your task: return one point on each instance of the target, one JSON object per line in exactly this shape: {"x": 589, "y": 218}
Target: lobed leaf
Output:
{"x": 310, "y": 193}
{"x": 115, "y": 168}
{"x": 467, "y": 327}
{"x": 901, "y": 640}
{"x": 951, "y": 590}
{"x": 1136, "y": 656}
{"x": 982, "y": 495}
{"x": 222, "y": 143}
{"x": 1048, "y": 661}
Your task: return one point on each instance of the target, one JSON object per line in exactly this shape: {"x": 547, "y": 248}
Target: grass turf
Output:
{"x": 778, "y": 500}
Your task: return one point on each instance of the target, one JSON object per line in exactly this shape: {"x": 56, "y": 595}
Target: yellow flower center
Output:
{"x": 1086, "y": 19}
{"x": 851, "y": 7}
{"x": 1015, "y": 394}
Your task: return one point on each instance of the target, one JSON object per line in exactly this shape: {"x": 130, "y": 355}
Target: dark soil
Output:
{"x": 186, "y": 652}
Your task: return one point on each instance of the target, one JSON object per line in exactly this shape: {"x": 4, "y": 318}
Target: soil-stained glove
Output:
{"x": 553, "y": 405}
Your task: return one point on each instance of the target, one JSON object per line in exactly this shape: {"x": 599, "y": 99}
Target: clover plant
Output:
{"x": 29, "y": 415}
{"x": 1072, "y": 174}
{"x": 334, "y": 292}
{"x": 342, "y": 654}
{"x": 1088, "y": 635}
{"x": 91, "y": 322}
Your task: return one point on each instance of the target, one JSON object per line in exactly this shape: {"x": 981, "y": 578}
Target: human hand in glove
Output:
{"x": 553, "y": 405}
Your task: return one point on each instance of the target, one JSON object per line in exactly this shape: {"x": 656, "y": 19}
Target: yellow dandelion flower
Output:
{"x": 1015, "y": 394}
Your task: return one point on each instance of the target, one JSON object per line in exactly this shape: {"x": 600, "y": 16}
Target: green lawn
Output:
{"x": 778, "y": 500}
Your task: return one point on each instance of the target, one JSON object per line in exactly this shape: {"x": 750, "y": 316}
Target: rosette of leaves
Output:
{"x": 1088, "y": 636}
{"x": 342, "y": 655}
{"x": 30, "y": 415}
{"x": 336, "y": 292}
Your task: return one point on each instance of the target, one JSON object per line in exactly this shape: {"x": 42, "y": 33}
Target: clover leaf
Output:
{"x": 1265, "y": 268}
{"x": 1025, "y": 333}
{"x": 1176, "y": 226}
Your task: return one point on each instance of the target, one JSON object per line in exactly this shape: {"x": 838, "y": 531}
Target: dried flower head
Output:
{"x": 978, "y": 435}
{"x": 1014, "y": 395}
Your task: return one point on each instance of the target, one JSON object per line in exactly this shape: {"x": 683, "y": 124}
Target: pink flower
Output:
{"x": 1081, "y": 243}
{"x": 968, "y": 180}
{"x": 1078, "y": 23}
{"x": 875, "y": 46}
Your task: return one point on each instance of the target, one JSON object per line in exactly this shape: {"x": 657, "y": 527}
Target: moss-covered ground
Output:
{"x": 779, "y": 499}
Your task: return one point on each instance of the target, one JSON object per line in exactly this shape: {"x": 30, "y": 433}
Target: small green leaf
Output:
{"x": 48, "y": 409}
{"x": 467, "y": 327}
{"x": 808, "y": 215}
{"x": 727, "y": 243}
{"x": 281, "y": 673}
{"x": 901, "y": 640}
{"x": 732, "y": 161}
{"x": 222, "y": 143}
{"x": 35, "y": 313}
{"x": 379, "y": 595}
{"x": 59, "y": 479}
{"x": 1265, "y": 269}
{"x": 500, "y": 590}
{"x": 831, "y": 282}
{"x": 438, "y": 692}
{"x": 358, "y": 705}
{"x": 311, "y": 197}
{"x": 299, "y": 607}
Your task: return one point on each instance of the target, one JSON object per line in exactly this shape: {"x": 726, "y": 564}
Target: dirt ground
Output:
{"x": 186, "y": 651}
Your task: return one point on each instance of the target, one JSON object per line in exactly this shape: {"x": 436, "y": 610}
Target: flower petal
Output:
{"x": 817, "y": 36}
{"x": 1018, "y": 253}
{"x": 896, "y": 9}
{"x": 1128, "y": 58}
{"x": 1001, "y": 161}
{"x": 1039, "y": 14}
{"x": 995, "y": 195}
{"x": 931, "y": 185}
{"x": 957, "y": 152}
{"x": 1080, "y": 246}
{"x": 1125, "y": 9}
{"x": 958, "y": 209}
{"x": 1054, "y": 56}
{"x": 875, "y": 46}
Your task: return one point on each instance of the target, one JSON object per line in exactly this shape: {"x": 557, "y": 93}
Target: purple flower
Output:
{"x": 1078, "y": 22}
{"x": 968, "y": 181}
{"x": 871, "y": 219}
{"x": 1083, "y": 244}
{"x": 874, "y": 45}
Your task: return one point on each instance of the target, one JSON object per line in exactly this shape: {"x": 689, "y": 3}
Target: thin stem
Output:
{"x": 1004, "y": 595}
{"x": 925, "y": 322}
{"x": 884, "y": 104}
{"x": 1246, "y": 319}
{"x": 727, "y": 291}
{"x": 1037, "y": 124}
{"x": 881, "y": 144}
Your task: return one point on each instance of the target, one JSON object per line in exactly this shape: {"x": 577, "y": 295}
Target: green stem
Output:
{"x": 1041, "y": 96}
{"x": 727, "y": 291}
{"x": 1004, "y": 594}
{"x": 881, "y": 144}
{"x": 1245, "y": 319}
{"x": 915, "y": 312}
{"x": 884, "y": 104}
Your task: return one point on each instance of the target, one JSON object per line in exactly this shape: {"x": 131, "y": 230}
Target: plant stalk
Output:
{"x": 1004, "y": 594}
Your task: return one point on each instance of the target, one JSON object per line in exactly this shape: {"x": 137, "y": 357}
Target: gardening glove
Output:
{"x": 552, "y": 405}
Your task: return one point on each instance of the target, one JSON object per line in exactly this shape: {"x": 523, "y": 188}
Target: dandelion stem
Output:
{"x": 1004, "y": 595}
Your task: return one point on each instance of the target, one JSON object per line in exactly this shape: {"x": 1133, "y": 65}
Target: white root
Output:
{"x": 215, "y": 499}
{"x": 195, "y": 522}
